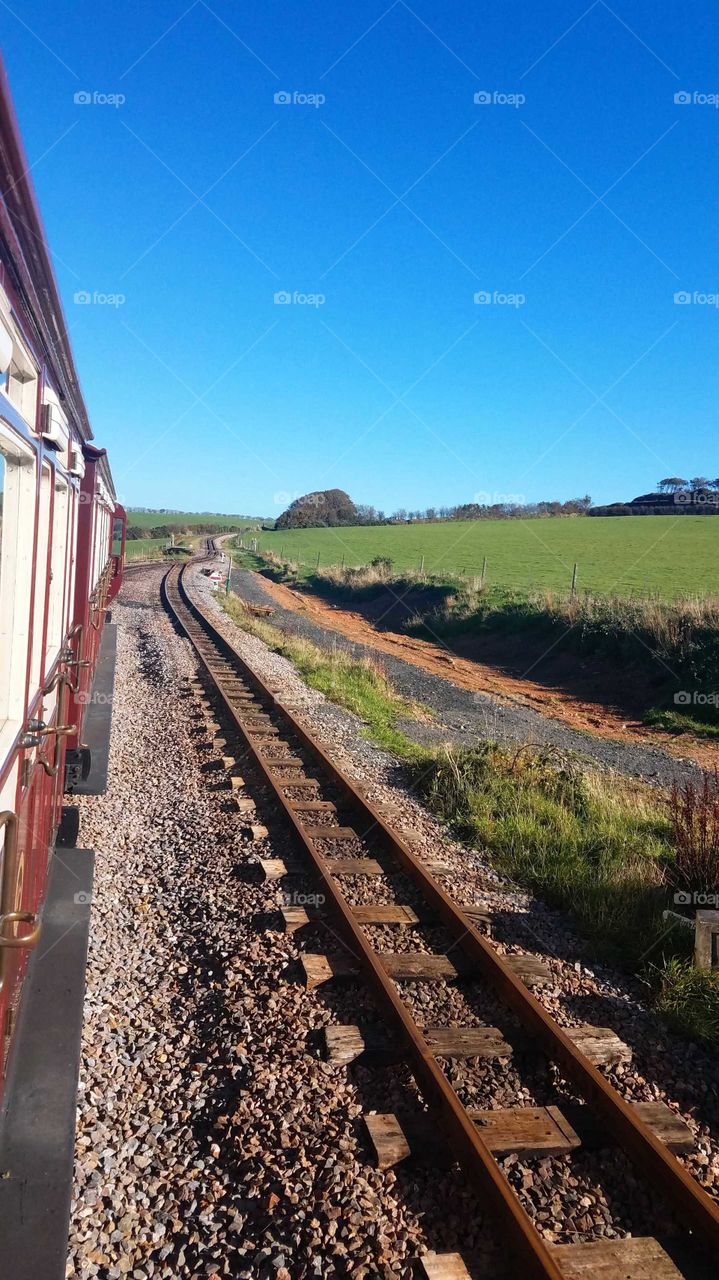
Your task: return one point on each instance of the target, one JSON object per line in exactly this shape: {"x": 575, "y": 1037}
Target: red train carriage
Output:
{"x": 59, "y": 519}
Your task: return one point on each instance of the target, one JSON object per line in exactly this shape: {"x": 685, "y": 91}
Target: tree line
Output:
{"x": 331, "y": 508}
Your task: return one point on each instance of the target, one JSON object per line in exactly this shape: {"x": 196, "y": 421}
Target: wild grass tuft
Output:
{"x": 689, "y": 999}
{"x": 359, "y": 684}
{"x": 594, "y": 847}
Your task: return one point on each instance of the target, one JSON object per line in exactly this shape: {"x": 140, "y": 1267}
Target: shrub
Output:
{"x": 383, "y": 563}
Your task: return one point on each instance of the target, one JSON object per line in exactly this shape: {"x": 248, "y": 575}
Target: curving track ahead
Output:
{"x": 272, "y": 737}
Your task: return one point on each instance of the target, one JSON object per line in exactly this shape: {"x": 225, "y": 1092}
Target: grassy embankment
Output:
{"x": 676, "y": 640}
{"x": 600, "y": 848}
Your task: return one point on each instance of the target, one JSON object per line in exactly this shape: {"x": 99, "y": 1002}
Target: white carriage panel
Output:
{"x": 18, "y": 520}
{"x": 8, "y": 792}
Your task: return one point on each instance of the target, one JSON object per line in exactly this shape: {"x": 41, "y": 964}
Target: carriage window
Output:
{"x": 57, "y": 570}
{"x": 43, "y": 537}
{"x": 19, "y": 380}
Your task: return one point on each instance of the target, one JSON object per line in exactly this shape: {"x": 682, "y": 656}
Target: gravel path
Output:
{"x": 212, "y": 1139}
{"x": 464, "y": 716}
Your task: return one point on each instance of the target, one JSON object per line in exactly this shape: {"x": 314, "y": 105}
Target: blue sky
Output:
{"x": 395, "y": 200}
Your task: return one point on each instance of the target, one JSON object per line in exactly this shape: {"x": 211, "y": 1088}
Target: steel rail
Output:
{"x": 640, "y": 1143}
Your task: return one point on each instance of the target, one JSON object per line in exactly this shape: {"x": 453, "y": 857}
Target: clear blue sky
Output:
{"x": 398, "y": 199}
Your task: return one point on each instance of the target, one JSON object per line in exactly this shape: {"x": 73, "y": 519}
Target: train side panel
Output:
{"x": 57, "y": 574}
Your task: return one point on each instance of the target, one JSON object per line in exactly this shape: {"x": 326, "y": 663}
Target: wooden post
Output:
{"x": 706, "y": 939}
{"x": 574, "y": 582}
{"x": 484, "y": 574}
{"x": 318, "y": 560}
{"x": 421, "y": 565}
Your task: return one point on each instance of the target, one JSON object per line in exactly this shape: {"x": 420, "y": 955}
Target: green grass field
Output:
{"x": 151, "y": 519}
{"x": 630, "y": 555}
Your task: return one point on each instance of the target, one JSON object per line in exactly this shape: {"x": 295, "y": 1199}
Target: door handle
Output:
{"x": 20, "y": 917}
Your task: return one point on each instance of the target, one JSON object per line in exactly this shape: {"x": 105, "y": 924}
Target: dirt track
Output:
{"x": 475, "y": 700}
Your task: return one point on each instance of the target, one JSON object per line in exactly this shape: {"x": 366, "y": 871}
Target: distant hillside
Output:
{"x": 152, "y": 517}
{"x": 145, "y": 524}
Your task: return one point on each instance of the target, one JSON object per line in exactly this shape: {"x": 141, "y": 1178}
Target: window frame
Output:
{"x": 16, "y": 574}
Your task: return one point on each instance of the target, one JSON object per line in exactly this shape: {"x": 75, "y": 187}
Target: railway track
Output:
{"x": 347, "y": 835}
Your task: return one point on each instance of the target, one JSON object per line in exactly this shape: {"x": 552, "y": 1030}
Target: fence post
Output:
{"x": 421, "y": 565}
{"x": 318, "y": 560}
{"x": 706, "y": 939}
{"x": 574, "y": 582}
{"x": 484, "y": 574}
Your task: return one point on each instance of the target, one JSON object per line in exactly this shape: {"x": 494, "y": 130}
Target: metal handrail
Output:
{"x": 8, "y": 913}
